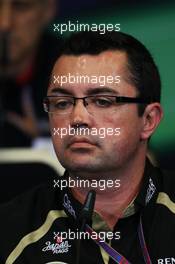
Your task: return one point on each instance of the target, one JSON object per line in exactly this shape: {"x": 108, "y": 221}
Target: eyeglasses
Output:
{"x": 96, "y": 104}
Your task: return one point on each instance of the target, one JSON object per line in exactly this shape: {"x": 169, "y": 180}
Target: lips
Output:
{"x": 80, "y": 140}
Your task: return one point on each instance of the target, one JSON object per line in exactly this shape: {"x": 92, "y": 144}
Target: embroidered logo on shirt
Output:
{"x": 68, "y": 206}
{"x": 150, "y": 192}
{"x": 58, "y": 246}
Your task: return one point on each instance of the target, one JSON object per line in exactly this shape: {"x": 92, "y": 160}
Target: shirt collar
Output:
{"x": 146, "y": 196}
{"x": 150, "y": 186}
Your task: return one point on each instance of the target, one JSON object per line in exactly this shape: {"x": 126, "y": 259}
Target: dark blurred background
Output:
{"x": 70, "y": 9}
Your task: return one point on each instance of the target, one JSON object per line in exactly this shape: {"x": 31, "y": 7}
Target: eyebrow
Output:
{"x": 99, "y": 90}
{"x": 59, "y": 90}
{"x": 89, "y": 91}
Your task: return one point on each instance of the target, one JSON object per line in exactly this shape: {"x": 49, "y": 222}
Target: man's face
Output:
{"x": 99, "y": 154}
{"x": 24, "y": 20}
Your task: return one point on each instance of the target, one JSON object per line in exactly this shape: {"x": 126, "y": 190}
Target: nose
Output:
{"x": 5, "y": 18}
{"x": 80, "y": 115}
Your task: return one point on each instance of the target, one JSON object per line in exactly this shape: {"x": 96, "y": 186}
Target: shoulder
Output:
{"x": 167, "y": 181}
{"x": 26, "y": 213}
{"x": 41, "y": 197}
{"x": 166, "y": 195}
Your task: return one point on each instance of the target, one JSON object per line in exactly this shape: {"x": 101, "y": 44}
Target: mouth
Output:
{"x": 80, "y": 143}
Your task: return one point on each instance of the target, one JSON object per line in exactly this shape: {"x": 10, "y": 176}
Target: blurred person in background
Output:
{"x": 27, "y": 56}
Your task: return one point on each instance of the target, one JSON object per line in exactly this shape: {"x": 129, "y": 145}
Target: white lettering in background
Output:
{"x": 166, "y": 261}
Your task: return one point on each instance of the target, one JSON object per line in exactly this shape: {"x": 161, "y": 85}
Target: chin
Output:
{"x": 80, "y": 161}
{"x": 74, "y": 165}
{"x": 84, "y": 166}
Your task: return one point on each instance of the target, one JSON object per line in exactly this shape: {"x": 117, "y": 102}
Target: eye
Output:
{"x": 63, "y": 104}
{"x": 103, "y": 102}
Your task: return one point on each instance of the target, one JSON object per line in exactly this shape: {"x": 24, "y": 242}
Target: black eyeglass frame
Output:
{"x": 119, "y": 99}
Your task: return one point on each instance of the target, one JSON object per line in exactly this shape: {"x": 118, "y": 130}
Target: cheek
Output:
{"x": 109, "y": 127}
{"x": 110, "y": 124}
{"x": 129, "y": 124}
{"x": 57, "y": 125}
{"x": 56, "y": 122}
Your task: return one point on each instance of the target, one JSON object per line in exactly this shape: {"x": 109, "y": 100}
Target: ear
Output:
{"x": 151, "y": 118}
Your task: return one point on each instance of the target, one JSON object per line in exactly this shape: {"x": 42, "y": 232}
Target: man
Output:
{"x": 25, "y": 68}
{"x": 134, "y": 207}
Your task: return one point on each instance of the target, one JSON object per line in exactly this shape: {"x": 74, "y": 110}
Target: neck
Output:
{"x": 112, "y": 202}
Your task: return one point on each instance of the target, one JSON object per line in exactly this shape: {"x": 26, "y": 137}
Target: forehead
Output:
{"x": 103, "y": 63}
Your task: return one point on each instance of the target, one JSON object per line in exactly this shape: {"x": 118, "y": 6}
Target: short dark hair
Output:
{"x": 143, "y": 72}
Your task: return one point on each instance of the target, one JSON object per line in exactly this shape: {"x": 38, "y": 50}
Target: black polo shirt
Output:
{"x": 30, "y": 226}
